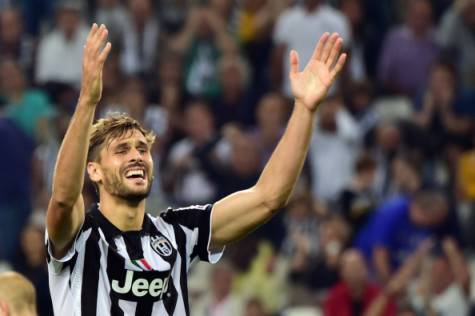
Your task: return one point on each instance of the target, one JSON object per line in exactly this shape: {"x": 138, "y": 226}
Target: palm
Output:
{"x": 311, "y": 85}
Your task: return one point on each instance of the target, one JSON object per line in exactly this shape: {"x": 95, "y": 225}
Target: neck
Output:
{"x": 125, "y": 215}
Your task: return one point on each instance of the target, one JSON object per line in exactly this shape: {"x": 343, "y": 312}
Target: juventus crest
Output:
{"x": 161, "y": 245}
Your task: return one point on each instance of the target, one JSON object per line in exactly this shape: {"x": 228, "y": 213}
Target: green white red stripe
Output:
{"x": 142, "y": 264}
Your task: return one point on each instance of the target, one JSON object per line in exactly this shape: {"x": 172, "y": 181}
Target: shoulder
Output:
{"x": 184, "y": 214}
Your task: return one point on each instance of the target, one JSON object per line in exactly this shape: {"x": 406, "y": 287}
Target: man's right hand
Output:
{"x": 93, "y": 62}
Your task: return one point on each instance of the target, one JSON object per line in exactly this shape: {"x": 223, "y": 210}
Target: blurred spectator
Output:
{"x": 15, "y": 44}
{"x": 301, "y": 225}
{"x": 358, "y": 200}
{"x": 387, "y": 142}
{"x": 359, "y": 100}
{"x": 204, "y": 38}
{"x": 254, "y": 25}
{"x": 317, "y": 271}
{"x": 298, "y": 28}
{"x": 408, "y": 52}
{"x": 141, "y": 38}
{"x": 354, "y": 12}
{"x": 220, "y": 301}
{"x": 465, "y": 192}
{"x": 332, "y": 150}
{"x": 234, "y": 103}
{"x": 189, "y": 178}
{"x": 405, "y": 176}
{"x": 398, "y": 227}
{"x": 443, "y": 287}
{"x": 29, "y": 108}
{"x": 456, "y": 36}
{"x": 114, "y": 15}
{"x": 265, "y": 279}
{"x": 271, "y": 115}
{"x": 254, "y": 307}
{"x": 17, "y": 295}
{"x": 30, "y": 263}
{"x": 60, "y": 51}
{"x": 355, "y": 294}
{"x": 172, "y": 15}
{"x": 15, "y": 185}
{"x": 442, "y": 126}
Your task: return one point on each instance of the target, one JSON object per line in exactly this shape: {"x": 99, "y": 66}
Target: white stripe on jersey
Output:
{"x": 103, "y": 291}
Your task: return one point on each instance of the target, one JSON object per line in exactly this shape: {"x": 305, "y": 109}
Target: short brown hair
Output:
{"x": 112, "y": 127}
{"x": 365, "y": 162}
{"x": 18, "y": 292}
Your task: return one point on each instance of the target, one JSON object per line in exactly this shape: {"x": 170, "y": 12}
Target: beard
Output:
{"x": 115, "y": 185}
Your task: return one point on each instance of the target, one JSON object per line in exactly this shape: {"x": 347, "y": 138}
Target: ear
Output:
{"x": 94, "y": 171}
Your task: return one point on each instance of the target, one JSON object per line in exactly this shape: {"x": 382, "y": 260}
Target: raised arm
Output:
{"x": 241, "y": 212}
{"x": 66, "y": 207}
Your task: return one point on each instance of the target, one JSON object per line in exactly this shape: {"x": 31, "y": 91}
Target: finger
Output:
{"x": 101, "y": 38}
{"x": 105, "y": 52}
{"x": 335, "y": 52}
{"x": 317, "y": 53}
{"x": 92, "y": 32}
{"x": 328, "y": 46}
{"x": 339, "y": 65}
{"x": 294, "y": 62}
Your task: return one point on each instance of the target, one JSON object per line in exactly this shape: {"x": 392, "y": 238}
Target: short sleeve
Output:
{"x": 193, "y": 224}
{"x": 56, "y": 265}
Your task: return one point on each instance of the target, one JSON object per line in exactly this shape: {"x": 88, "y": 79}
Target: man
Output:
{"x": 116, "y": 260}
{"x": 17, "y": 295}
{"x": 399, "y": 226}
{"x": 296, "y": 28}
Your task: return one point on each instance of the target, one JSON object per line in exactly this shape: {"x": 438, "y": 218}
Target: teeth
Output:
{"x": 132, "y": 173}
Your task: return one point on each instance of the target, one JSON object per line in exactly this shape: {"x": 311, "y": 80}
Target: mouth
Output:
{"x": 136, "y": 173}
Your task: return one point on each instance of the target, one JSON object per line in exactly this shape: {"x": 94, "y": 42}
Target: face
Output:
{"x": 420, "y": 16}
{"x": 125, "y": 169}
{"x": 353, "y": 269}
{"x": 199, "y": 122}
{"x": 68, "y": 20}
{"x": 428, "y": 215}
{"x": 441, "y": 79}
{"x": 11, "y": 77}
{"x": 222, "y": 280}
{"x": 10, "y": 26}
{"x": 271, "y": 112}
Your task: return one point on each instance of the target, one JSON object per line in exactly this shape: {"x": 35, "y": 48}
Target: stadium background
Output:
{"x": 209, "y": 77}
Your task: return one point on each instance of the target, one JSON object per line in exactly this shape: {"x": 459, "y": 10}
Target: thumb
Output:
{"x": 294, "y": 62}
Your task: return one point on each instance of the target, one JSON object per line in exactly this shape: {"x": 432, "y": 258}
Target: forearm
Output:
{"x": 283, "y": 168}
{"x": 377, "y": 307}
{"x": 381, "y": 263}
{"x": 71, "y": 163}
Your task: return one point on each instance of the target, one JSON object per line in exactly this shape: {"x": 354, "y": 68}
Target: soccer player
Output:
{"x": 119, "y": 260}
{"x": 17, "y": 295}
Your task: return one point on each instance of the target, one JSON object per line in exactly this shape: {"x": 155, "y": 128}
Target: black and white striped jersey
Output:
{"x": 110, "y": 272}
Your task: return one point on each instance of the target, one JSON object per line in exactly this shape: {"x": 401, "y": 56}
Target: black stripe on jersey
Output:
{"x": 192, "y": 217}
{"x": 90, "y": 277}
{"x": 114, "y": 261}
{"x": 181, "y": 243}
{"x": 144, "y": 309}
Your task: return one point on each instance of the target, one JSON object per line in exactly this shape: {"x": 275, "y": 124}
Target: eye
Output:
{"x": 142, "y": 150}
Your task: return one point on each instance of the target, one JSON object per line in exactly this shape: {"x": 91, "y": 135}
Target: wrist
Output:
{"x": 86, "y": 100}
{"x": 309, "y": 108}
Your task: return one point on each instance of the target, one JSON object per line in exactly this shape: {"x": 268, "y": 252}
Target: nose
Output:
{"x": 135, "y": 155}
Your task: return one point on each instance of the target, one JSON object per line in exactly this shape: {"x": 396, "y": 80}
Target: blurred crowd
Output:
{"x": 382, "y": 220}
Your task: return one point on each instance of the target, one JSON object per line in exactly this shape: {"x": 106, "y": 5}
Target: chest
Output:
{"x": 140, "y": 266}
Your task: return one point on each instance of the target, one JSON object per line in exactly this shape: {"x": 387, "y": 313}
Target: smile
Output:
{"x": 135, "y": 173}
